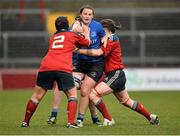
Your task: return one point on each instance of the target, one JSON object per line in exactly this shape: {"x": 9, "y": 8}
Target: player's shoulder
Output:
{"x": 68, "y": 34}
{"x": 113, "y": 38}
{"x": 77, "y": 34}
{"x": 96, "y": 23}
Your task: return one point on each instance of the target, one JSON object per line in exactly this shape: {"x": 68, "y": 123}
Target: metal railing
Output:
{"x": 11, "y": 52}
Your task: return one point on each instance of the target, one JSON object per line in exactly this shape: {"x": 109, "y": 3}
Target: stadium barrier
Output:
{"x": 138, "y": 79}
{"x": 153, "y": 79}
{"x": 17, "y": 79}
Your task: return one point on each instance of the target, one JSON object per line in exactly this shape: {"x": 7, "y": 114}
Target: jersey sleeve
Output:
{"x": 107, "y": 49}
{"x": 81, "y": 40}
{"x": 101, "y": 31}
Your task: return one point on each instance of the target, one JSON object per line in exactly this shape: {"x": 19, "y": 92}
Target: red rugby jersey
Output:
{"x": 61, "y": 47}
{"x": 113, "y": 56}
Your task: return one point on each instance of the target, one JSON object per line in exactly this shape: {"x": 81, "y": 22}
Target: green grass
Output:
{"x": 128, "y": 122}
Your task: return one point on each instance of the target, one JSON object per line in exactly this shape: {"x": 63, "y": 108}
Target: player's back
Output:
{"x": 61, "y": 46}
{"x": 113, "y": 55}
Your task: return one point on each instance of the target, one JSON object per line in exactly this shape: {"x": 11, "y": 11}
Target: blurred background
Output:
{"x": 150, "y": 35}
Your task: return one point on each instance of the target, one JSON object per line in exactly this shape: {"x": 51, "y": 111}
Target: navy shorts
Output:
{"x": 116, "y": 80}
{"x": 47, "y": 79}
{"x": 92, "y": 69}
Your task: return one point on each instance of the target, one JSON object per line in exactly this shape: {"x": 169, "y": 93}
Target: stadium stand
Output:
{"x": 149, "y": 37}
{"x": 148, "y": 34}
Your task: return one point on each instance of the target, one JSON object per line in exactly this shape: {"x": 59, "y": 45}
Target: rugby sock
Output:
{"x": 103, "y": 109}
{"x": 138, "y": 107}
{"x": 54, "y": 112}
{"x": 72, "y": 108}
{"x": 30, "y": 109}
{"x": 94, "y": 118}
{"x": 80, "y": 117}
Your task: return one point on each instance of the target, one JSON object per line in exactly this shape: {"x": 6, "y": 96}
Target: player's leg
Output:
{"x": 78, "y": 77}
{"x": 55, "y": 106}
{"x": 45, "y": 81}
{"x": 124, "y": 98}
{"x": 32, "y": 104}
{"x": 86, "y": 86}
{"x": 115, "y": 79}
{"x": 71, "y": 107}
{"x": 92, "y": 107}
{"x": 95, "y": 96}
{"x": 66, "y": 83}
{"x": 93, "y": 111}
{"x": 93, "y": 73}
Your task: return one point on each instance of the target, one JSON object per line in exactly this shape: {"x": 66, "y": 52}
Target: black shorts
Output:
{"x": 47, "y": 79}
{"x": 116, "y": 80}
{"x": 92, "y": 69}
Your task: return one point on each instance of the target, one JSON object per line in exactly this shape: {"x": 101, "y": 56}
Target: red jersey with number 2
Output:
{"x": 61, "y": 47}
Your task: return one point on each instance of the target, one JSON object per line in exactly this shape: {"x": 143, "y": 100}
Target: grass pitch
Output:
{"x": 128, "y": 122}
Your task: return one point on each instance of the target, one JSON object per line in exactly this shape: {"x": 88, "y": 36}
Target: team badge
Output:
{"x": 93, "y": 34}
{"x": 93, "y": 74}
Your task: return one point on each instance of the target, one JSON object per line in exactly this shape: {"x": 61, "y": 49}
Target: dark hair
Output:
{"x": 86, "y": 7}
{"x": 61, "y": 23}
{"x": 110, "y": 25}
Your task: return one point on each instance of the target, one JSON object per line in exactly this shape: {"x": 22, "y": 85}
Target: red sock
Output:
{"x": 71, "y": 109}
{"x": 103, "y": 109}
{"x": 30, "y": 109}
{"x": 142, "y": 110}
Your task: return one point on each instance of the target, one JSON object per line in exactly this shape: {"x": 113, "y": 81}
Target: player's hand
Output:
{"x": 76, "y": 50}
{"x": 77, "y": 28}
{"x": 104, "y": 41}
{"x": 86, "y": 32}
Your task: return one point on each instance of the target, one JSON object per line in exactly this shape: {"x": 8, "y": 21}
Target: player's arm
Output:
{"x": 77, "y": 27}
{"x": 90, "y": 52}
{"x": 83, "y": 40}
{"x": 104, "y": 40}
{"x": 97, "y": 52}
{"x": 103, "y": 35}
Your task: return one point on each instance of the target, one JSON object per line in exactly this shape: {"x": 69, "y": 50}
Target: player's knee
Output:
{"x": 94, "y": 96}
{"x": 38, "y": 94}
{"x": 84, "y": 93}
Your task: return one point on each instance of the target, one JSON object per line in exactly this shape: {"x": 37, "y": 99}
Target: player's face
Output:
{"x": 107, "y": 31}
{"x": 86, "y": 15}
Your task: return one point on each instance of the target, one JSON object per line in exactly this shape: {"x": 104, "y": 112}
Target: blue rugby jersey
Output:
{"x": 96, "y": 33}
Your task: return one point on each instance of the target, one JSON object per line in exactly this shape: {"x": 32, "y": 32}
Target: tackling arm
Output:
{"x": 90, "y": 52}
{"x": 104, "y": 41}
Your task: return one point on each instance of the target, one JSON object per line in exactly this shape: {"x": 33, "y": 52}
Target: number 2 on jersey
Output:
{"x": 58, "y": 40}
